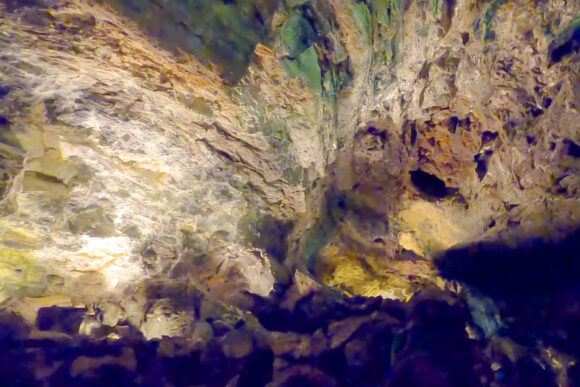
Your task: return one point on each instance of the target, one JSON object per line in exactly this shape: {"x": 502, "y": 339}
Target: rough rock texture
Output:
{"x": 121, "y": 162}
{"x": 464, "y": 132}
{"x": 204, "y": 170}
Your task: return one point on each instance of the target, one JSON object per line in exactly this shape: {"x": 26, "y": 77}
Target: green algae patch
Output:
{"x": 199, "y": 105}
{"x": 387, "y": 16}
{"x": 489, "y": 17}
{"x": 277, "y": 134}
{"x": 306, "y": 67}
{"x": 296, "y": 33}
{"x": 295, "y": 175}
{"x": 362, "y": 15}
{"x": 387, "y": 12}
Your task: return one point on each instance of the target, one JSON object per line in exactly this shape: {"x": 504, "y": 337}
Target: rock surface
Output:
{"x": 247, "y": 192}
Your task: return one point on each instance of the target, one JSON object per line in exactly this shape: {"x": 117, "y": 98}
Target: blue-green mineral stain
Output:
{"x": 494, "y": 6}
{"x": 297, "y": 34}
{"x": 306, "y": 67}
{"x": 362, "y": 14}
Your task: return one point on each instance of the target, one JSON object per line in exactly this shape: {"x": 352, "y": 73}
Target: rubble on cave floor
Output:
{"x": 317, "y": 336}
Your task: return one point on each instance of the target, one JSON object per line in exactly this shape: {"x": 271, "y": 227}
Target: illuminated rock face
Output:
{"x": 120, "y": 164}
{"x": 466, "y": 135}
{"x": 353, "y": 141}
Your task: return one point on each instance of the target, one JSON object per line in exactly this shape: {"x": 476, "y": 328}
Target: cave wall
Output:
{"x": 154, "y": 140}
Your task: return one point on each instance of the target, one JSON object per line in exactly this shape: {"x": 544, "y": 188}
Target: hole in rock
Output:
{"x": 573, "y": 149}
{"x": 452, "y": 124}
{"x": 559, "y": 49}
{"x": 488, "y": 137}
{"x": 536, "y": 111}
{"x": 430, "y": 185}
{"x": 465, "y": 37}
{"x": 4, "y": 90}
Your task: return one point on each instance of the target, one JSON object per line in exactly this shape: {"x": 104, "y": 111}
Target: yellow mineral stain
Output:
{"x": 428, "y": 229}
{"x": 11, "y": 236}
{"x": 348, "y": 273}
{"x": 52, "y": 164}
{"x": 20, "y": 275}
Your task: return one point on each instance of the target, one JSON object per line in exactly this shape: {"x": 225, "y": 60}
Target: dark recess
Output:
{"x": 488, "y": 137}
{"x": 448, "y": 12}
{"x": 430, "y": 185}
{"x": 536, "y": 111}
{"x": 65, "y": 320}
{"x": 481, "y": 167}
{"x": 573, "y": 149}
{"x": 465, "y": 123}
{"x": 272, "y": 236}
{"x": 452, "y": 124}
{"x": 4, "y": 90}
{"x": 535, "y": 285}
{"x": 381, "y": 134}
{"x": 564, "y": 47}
{"x": 465, "y": 37}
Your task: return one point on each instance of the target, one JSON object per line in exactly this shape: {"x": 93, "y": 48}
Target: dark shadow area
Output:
{"x": 224, "y": 32}
{"x": 573, "y": 149}
{"x": 535, "y": 285}
{"x": 430, "y": 185}
{"x": 326, "y": 339}
{"x": 272, "y": 235}
{"x": 565, "y": 45}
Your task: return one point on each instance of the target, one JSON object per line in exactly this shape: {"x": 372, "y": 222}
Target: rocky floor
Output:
{"x": 321, "y": 338}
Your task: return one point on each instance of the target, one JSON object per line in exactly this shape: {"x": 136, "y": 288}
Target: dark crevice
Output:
{"x": 565, "y": 46}
{"x": 4, "y": 90}
{"x": 272, "y": 236}
{"x": 536, "y": 111}
{"x": 380, "y": 134}
{"x": 488, "y": 137}
{"x": 482, "y": 159}
{"x": 452, "y": 124}
{"x": 573, "y": 149}
{"x": 547, "y": 102}
{"x": 465, "y": 123}
{"x": 447, "y": 14}
{"x": 430, "y": 185}
{"x": 465, "y": 37}
{"x": 481, "y": 169}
